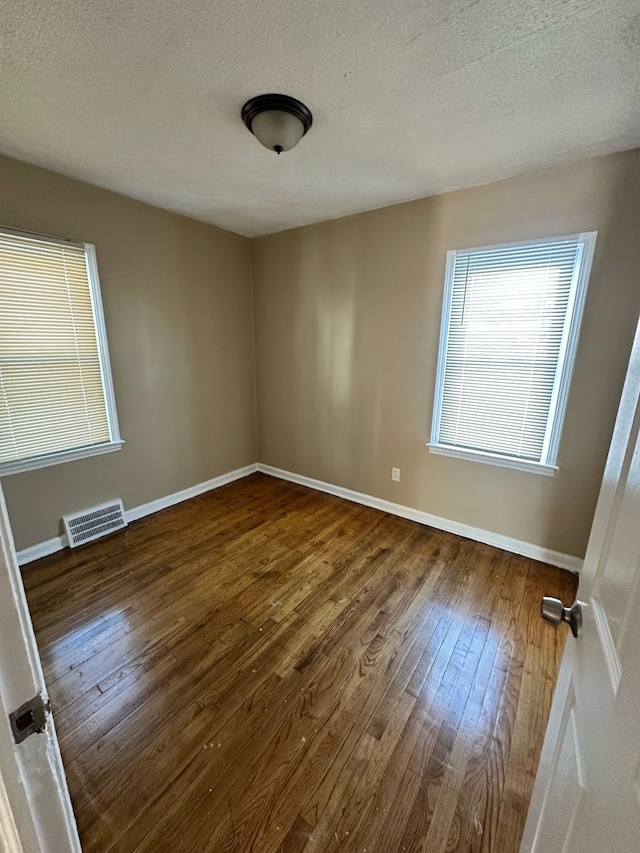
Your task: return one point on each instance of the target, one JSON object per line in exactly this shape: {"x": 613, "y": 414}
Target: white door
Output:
{"x": 587, "y": 793}
{"x": 35, "y": 809}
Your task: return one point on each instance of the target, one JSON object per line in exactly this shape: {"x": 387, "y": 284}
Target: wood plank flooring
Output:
{"x": 267, "y": 668}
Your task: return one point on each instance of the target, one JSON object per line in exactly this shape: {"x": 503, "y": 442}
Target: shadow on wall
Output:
{"x": 349, "y": 361}
{"x": 325, "y": 325}
{"x": 611, "y": 313}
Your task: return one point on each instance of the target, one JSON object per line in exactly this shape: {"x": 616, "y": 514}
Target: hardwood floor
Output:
{"x": 267, "y": 668}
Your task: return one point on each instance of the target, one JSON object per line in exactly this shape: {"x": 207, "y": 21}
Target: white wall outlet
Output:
{"x": 395, "y": 474}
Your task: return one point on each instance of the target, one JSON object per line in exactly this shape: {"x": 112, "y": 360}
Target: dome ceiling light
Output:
{"x": 277, "y": 121}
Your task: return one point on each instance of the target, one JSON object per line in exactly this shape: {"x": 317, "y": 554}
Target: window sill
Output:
{"x": 19, "y": 465}
{"x": 494, "y": 459}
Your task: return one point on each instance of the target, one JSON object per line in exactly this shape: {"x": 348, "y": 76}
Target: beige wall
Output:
{"x": 347, "y": 317}
{"x": 177, "y": 301}
{"x": 347, "y": 322}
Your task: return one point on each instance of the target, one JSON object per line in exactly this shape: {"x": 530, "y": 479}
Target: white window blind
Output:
{"x": 509, "y": 331}
{"x": 55, "y": 387}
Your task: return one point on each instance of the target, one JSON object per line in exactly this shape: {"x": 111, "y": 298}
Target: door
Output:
{"x": 35, "y": 809}
{"x": 587, "y": 792}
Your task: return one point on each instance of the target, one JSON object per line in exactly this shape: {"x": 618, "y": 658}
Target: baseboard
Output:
{"x": 193, "y": 491}
{"x": 43, "y": 549}
{"x": 515, "y": 546}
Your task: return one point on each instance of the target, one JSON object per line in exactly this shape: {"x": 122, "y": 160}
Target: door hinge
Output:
{"x": 29, "y": 718}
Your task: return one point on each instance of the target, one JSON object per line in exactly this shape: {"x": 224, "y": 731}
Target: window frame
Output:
{"x": 115, "y": 440}
{"x": 564, "y": 368}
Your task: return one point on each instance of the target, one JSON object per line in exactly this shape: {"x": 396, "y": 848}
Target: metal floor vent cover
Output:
{"x": 94, "y": 522}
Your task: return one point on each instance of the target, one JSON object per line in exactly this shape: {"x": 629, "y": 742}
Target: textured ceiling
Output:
{"x": 410, "y": 97}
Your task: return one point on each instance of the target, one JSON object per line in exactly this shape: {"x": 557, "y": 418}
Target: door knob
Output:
{"x": 553, "y": 610}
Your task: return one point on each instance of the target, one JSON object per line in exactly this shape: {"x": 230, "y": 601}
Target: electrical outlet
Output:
{"x": 395, "y": 474}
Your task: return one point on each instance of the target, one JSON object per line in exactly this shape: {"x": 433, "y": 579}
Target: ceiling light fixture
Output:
{"x": 277, "y": 121}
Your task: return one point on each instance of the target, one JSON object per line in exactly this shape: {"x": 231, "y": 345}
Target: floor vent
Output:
{"x": 93, "y": 523}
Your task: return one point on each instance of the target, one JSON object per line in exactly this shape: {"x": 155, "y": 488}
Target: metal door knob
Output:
{"x": 553, "y": 610}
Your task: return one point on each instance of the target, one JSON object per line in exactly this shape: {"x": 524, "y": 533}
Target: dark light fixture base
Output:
{"x": 284, "y": 103}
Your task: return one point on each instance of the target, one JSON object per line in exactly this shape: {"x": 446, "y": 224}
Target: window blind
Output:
{"x": 52, "y": 394}
{"x": 509, "y": 310}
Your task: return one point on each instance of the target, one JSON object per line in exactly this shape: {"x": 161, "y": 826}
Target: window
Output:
{"x": 56, "y": 395}
{"x": 510, "y": 325}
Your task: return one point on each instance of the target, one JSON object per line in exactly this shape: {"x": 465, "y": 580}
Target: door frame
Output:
{"x": 36, "y": 815}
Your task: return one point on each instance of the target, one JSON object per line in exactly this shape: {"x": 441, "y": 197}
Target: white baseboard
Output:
{"x": 193, "y": 491}
{"x": 43, "y": 549}
{"x": 515, "y": 546}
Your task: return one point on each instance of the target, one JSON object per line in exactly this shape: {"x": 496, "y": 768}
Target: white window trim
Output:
{"x": 115, "y": 440}
{"x": 493, "y": 459}
{"x": 36, "y": 462}
{"x": 566, "y": 361}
